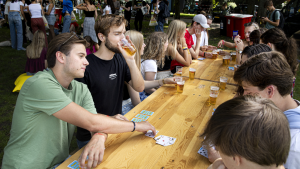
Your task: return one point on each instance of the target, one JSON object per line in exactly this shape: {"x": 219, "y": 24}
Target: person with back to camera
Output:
{"x": 67, "y": 11}
{"x": 50, "y": 16}
{"x": 249, "y": 132}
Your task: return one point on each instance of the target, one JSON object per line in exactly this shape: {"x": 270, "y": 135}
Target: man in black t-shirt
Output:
{"x": 127, "y": 13}
{"x": 139, "y": 14}
{"x": 109, "y": 68}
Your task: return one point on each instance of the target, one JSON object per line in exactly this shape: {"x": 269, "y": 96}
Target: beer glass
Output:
{"x": 214, "y": 54}
{"x": 214, "y": 91}
{"x": 177, "y": 79}
{"x": 223, "y": 81}
{"x": 180, "y": 86}
{"x": 233, "y": 56}
{"x": 179, "y": 70}
{"x": 226, "y": 60}
{"x": 130, "y": 50}
{"x": 192, "y": 73}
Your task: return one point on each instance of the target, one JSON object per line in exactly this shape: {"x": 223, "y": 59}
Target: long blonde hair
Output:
{"x": 175, "y": 27}
{"x": 155, "y": 47}
{"x": 34, "y": 50}
{"x": 138, "y": 40}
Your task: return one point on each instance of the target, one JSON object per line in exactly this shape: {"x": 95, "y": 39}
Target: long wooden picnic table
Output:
{"x": 180, "y": 115}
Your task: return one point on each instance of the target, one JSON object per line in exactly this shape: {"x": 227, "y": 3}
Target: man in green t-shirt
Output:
{"x": 50, "y": 105}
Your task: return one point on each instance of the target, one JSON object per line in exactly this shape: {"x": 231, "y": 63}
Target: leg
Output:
{"x": 67, "y": 23}
{"x": 141, "y": 22}
{"x": 19, "y": 29}
{"x": 24, "y": 31}
{"x": 136, "y": 23}
{"x": 13, "y": 36}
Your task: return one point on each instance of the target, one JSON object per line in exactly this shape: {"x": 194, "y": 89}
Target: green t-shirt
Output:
{"x": 37, "y": 138}
{"x": 270, "y": 16}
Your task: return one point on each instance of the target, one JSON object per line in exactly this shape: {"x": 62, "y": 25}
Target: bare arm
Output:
{"x": 22, "y": 12}
{"x": 227, "y": 44}
{"x": 186, "y": 59}
{"x": 96, "y": 13}
{"x": 134, "y": 95}
{"x": 195, "y": 50}
{"x": 149, "y": 76}
{"x": 127, "y": 9}
{"x": 81, "y": 6}
{"x": 42, "y": 10}
{"x": 49, "y": 9}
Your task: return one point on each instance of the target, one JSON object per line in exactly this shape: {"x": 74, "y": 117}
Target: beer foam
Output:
{"x": 192, "y": 70}
{"x": 214, "y": 88}
{"x": 180, "y": 83}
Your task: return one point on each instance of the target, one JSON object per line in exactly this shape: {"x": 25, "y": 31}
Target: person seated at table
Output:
{"x": 108, "y": 71}
{"x": 253, "y": 50}
{"x": 156, "y": 45}
{"x": 269, "y": 75}
{"x": 254, "y": 37}
{"x": 91, "y": 46}
{"x": 249, "y": 27}
{"x": 36, "y": 54}
{"x": 57, "y": 25}
{"x": 74, "y": 26}
{"x": 177, "y": 48}
{"x": 278, "y": 41}
{"x": 248, "y": 132}
{"x": 199, "y": 23}
{"x": 51, "y": 104}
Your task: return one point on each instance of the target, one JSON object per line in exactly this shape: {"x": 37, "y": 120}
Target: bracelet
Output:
{"x": 223, "y": 42}
{"x": 100, "y": 134}
{"x": 133, "y": 126}
{"x": 185, "y": 48}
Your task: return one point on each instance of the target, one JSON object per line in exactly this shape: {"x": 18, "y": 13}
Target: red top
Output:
{"x": 35, "y": 65}
{"x": 188, "y": 39}
{"x": 56, "y": 24}
{"x": 75, "y": 24}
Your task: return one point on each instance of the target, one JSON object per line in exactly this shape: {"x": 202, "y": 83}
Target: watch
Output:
{"x": 240, "y": 51}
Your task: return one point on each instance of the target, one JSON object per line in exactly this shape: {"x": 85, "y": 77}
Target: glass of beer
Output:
{"x": 223, "y": 81}
{"x": 233, "y": 56}
{"x": 192, "y": 73}
{"x": 226, "y": 60}
{"x": 130, "y": 50}
{"x": 177, "y": 79}
{"x": 214, "y": 91}
{"x": 180, "y": 86}
{"x": 218, "y": 51}
{"x": 214, "y": 54}
{"x": 179, "y": 70}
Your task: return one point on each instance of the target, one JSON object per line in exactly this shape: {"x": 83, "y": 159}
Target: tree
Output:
{"x": 177, "y": 9}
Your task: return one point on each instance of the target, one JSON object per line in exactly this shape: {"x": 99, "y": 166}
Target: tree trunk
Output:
{"x": 177, "y": 9}
{"x": 251, "y": 7}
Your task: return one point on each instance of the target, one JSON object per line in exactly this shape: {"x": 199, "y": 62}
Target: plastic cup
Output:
{"x": 192, "y": 73}
{"x": 179, "y": 70}
{"x": 223, "y": 81}
{"x": 233, "y": 56}
{"x": 180, "y": 86}
{"x": 130, "y": 50}
{"x": 226, "y": 60}
{"x": 177, "y": 79}
{"x": 214, "y": 91}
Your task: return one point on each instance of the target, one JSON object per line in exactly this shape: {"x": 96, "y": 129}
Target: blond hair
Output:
{"x": 34, "y": 50}
{"x": 154, "y": 49}
{"x": 138, "y": 40}
{"x": 175, "y": 27}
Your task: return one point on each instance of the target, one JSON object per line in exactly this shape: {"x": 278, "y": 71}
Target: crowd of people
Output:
{"x": 93, "y": 81}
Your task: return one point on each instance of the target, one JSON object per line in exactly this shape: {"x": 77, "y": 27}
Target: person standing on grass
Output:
{"x": 109, "y": 7}
{"x": 161, "y": 19}
{"x": 67, "y": 10}
{"x": 45, "y": 118}
{"x": 90, "y": 12}
{"x": 50, "y": 8}
{"x": 270, "y": 15}
{"x": 127, "y": 12}
{"x": 138, "y": 21}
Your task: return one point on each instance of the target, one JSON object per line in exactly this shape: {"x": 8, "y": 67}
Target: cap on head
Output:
{"x": 201, "y": 19}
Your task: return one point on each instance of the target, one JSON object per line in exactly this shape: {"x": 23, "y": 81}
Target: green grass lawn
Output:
{"x": 12, "y": 64}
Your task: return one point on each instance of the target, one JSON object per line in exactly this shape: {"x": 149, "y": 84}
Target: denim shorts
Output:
{"x": 51, "y": 19}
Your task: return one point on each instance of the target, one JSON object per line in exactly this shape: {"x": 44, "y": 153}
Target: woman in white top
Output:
{"x": 37, "y": 22}
{"x": 157, "y": 44}
{"x": 6, "y": 10}
{"x": 50, "y": 16}
{"x": 15, "y": 24}
{"x": 109, "y": 8}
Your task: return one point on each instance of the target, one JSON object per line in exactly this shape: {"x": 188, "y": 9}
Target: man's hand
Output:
{"x": 265, "y": 19}
{"x": 208, "y": 54}
{"x": 223, "y": 53}
{"x": 212, "y": 154}
{"x": 120, "y": 117}
{"x": 144, "y": 127}
{"x": 210, "y": 47}
{"x": 94, "y": 150}
{"x": 239, "y": 43}
{"x": 218, "y": 164}
{"x": 220, "y": 44}
{"x": 198, "y": 33}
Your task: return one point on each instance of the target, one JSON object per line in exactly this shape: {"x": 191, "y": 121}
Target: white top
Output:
{"x": 203, "y": 39}
{"x": 107, "y": 8}
{"x": 293, "y": 160}
{"x": 6, "y": 8}
{"x": 35, "y": 10}
{"x": 52, "y": 11}
{"x": 25, "y": 10}
{"x": 1, "y": 1}
{"x": 16, "y": 6}
{"x": 148, "y": 66}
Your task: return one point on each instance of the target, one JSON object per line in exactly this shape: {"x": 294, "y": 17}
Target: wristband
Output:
{"x": 223, "y": 42}
{"x": 185, "y": 48}
{"x": 100, "y": 134}
{"x": 204, "y": 54}
{"x": 133, "y": 126}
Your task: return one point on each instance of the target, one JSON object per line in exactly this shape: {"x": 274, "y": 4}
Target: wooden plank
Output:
{"x": 179, "y": 115}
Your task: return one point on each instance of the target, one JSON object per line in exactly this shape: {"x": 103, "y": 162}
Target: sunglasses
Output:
{"x": 74, "y": 34}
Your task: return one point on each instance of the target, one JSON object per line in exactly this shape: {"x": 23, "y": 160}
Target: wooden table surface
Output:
{"x": 179, "y": 115}
{"x": 211, "y": 69}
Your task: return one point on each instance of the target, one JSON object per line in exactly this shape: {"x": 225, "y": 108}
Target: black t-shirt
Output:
{"x": 140, "y": 3}
{"x": 105, "y": 80}
{"x": 162, "y": 6}
{"x": 128, "y": 13}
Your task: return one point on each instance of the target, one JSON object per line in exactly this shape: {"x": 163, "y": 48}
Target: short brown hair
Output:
{"x": 65, "y": 42}
{"x": 268, "y": 3}
{"x": 251, "y": 127}
{"x": 264, "y": 69}
{"x": 104, "y": 23}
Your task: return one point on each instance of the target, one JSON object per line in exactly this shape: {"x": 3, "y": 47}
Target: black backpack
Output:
{"x": 166, "y": 12}
{"x": 281, "y": 22}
